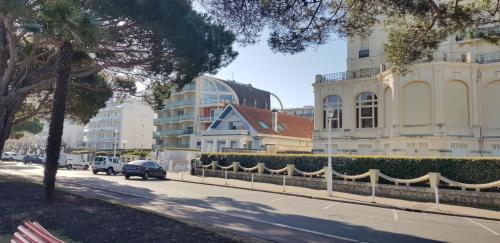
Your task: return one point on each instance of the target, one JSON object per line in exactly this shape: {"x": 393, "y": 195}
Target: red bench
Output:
{"x": 33, "y": 232}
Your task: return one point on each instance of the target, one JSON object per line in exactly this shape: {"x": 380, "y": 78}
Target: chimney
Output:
{"x": 275, "y": 120}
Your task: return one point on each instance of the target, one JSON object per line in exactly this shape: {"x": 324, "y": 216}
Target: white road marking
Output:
{"x": 106, "y": 195}
{"x": 395, "y": 215}
{"x": 329, "y": 206}
{"x": 281, "y": 198}
{"x": 484, "y": 227}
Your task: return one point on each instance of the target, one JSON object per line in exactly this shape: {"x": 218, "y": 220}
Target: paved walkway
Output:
{"x": 428, "y": 207}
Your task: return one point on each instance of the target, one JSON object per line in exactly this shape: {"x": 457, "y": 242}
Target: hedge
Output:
{"x": 466, "y": 170}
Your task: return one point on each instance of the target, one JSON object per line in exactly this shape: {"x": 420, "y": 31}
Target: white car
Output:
{"x": 74, "y": 161}
{"x": 110, "y": 165}
{"x": 12, "y": 156}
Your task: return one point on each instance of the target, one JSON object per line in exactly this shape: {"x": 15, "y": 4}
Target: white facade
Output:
{"x": 126, "y": 125}
{"x": 190, "y": 111}
{"x": 446, "y": 105}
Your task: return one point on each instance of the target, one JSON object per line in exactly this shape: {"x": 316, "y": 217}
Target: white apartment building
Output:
{"x": 446, "y": 105}
{"x": 126, "y": 125}
{"x": 306, "y": 111}
{"x": 191, "y": 110}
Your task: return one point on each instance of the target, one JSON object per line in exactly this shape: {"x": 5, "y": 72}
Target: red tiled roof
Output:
{"x": 294, "y": 126}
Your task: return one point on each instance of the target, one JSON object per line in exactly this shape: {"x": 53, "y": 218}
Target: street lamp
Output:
{"x": 329, "y": 180}
{"x": 114, "y": 144}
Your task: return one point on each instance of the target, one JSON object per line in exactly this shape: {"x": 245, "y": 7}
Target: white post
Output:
{"x": 225, "y": 177}
{"x": 182, "y": 175}
{"x": 329, "y": 179}
{"x": 436, "y": 196}
{"x": 284, "y": 182}
{"x": 252, "y": 180}
{"x": 114, "y": 144}
{"x": 203, "y": 175}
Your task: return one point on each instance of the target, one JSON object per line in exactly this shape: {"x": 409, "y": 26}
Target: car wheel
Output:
{"x": 95, "y": 172}
{"x": 86, "y": 167}
{"x": 164, "y": 176}
{"x": 69, "y": 167}
{"x": 145, "y": 176}
{"x": 110, "y": 171}
{"x": 127, "y": 177}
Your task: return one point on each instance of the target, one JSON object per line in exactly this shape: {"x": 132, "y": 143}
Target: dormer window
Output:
{"x": 263, "y": 124}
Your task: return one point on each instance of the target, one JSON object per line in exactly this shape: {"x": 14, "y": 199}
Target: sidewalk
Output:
{"x": 427, "y": 207}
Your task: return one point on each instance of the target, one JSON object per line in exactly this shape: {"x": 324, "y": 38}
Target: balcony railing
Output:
{"x": 349, "y": 75}
{"x": 187, "y": 87}
{"x": 206, "y": 118}
{"x": 452, "y": 57}
{"x": 175, "y": 132}
{"x": 179, "y": 103}
{"x": 169, "y": 119}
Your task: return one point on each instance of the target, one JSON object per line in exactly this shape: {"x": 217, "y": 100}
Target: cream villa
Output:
{"x": 447, "y": 105}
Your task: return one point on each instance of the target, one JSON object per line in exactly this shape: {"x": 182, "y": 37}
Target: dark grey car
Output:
{"x": 144, "y": 169}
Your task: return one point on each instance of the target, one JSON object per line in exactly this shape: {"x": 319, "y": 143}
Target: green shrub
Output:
{"x": 466, "y": 170}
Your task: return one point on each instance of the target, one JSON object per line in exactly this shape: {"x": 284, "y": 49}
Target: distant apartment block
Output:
{"x": 243, "y": 128}
{"x": 190, "y": 111}
{"x": 126, "y": 125}
{"x": 306, "y": 111}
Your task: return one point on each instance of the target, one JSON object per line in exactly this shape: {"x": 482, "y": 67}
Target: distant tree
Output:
{"x": 33, "y": 126}
{"x": 415, "y": 27}
{"x": 156, "y": 42}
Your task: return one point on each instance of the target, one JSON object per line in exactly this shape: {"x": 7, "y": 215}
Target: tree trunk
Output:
{"x": 57, "y": 118}
{"x": 8, "y": 111}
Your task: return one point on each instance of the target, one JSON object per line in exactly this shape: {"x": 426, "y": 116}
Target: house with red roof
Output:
{"x": 244, "y": 128}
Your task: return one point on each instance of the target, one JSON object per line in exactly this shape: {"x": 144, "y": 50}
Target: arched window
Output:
{"x": 333, "y": 103}
{"x": 366, "y": 110}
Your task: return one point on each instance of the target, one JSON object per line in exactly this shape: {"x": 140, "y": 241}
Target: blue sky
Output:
{"x": 288, "y": 76}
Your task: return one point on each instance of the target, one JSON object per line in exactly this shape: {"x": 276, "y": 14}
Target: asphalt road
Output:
{"x": 270, "y": 216}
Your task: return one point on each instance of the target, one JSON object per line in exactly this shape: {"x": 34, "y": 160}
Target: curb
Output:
{"x": 344, "y": 201}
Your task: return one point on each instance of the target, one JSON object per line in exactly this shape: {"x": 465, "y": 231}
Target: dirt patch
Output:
{"x": 80, "y": 219}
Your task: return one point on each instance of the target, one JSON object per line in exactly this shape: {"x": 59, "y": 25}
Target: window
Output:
{"x": 333, "y": 103}
{"x": 234, "y": 144}
{"x": 364, "y": 50}
{"x": 235, "y": 125}
{"x": 263, "y": 124}
{"x": 366, "y": 110}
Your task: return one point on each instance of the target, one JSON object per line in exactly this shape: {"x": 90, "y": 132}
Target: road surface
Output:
{"x": 270, "y": 216}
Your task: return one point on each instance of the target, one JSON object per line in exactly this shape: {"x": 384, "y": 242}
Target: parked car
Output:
{"x": 11, "y": 156}
{"x": 110, "y": 165}
{"x": 32, "y": 158}
{"x": 62, "y": 160}
{"x": 74, "y": 161}
{"x": 144, "y": 169}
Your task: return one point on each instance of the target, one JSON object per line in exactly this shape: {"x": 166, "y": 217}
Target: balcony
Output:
{"x": 179, "y": 103}
{"x": 225, "y": 132}
{"x": 170, "y": 119}
{"x": 363, "y": 53}
{"x": 349, "y": 75}
{"x": 187, "y": 88}
{"x": 206, "y": 118}
{"x": 451, "y": 57}
{"x": 176, "y": 132}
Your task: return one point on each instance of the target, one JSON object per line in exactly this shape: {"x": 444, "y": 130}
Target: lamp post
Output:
{"x": 114, "y": 144}
{"x": 329, "y": 179}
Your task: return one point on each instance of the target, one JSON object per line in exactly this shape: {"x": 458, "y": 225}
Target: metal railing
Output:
{"x": 453, "y": 57}
{"x": 179, "y": 103}
{"x": 170, "y": 119}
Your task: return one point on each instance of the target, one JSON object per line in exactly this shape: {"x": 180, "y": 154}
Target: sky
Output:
{"x": 290, "y": 77}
